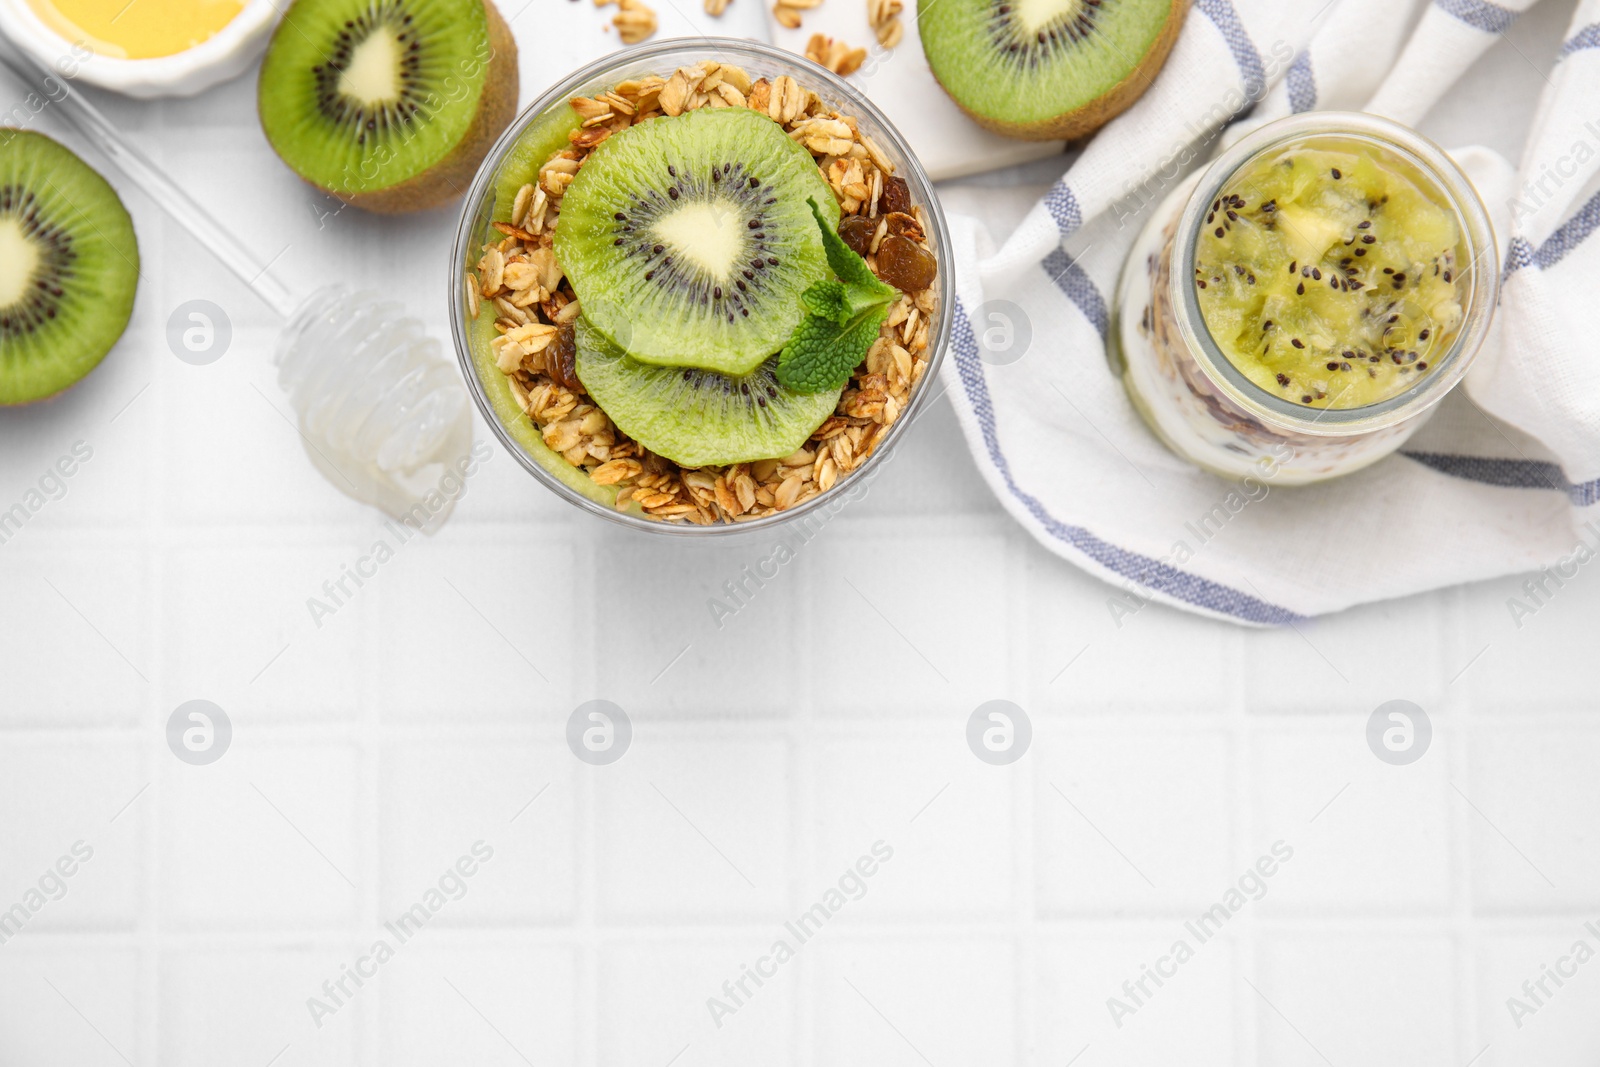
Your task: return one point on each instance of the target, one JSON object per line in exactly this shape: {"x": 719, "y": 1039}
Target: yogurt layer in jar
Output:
{"x": 1299, "y": 308}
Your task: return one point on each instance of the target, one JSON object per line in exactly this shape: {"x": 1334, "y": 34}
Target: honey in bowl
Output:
{"x": 137, "y": 29}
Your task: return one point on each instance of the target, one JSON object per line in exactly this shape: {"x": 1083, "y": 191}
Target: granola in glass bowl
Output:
{"x": 536, "y": 321}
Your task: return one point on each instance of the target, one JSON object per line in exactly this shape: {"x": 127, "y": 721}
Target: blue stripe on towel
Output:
{"x": 1584, "y": 39}
{"x": 1564, "y": 241}
{"x": 1062, "y": 204}
{"x": 1302, "y": 82}
{"x": 1480, "y": 14}
{"x": 1079, "y": 288}
{"x": 1510, "y": 474}
{"x": 1244, "y": 50}
{"x": 1141, "y": 569}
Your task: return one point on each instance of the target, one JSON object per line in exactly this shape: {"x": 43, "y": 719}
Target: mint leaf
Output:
{"x": 823, "y": 352}
{"x": 846, "y": 265}
{"x": 826, "y": 300}
{"x": 843, "y": 319}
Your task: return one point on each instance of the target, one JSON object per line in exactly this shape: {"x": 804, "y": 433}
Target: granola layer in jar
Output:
{"x": 1359, "y": 336}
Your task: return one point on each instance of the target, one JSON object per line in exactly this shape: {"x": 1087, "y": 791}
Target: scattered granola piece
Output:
{"x": 835, "y": 55}
{"x": 884, "y": 18}
{"x": 787, "y": 12}
{"x": 635, "y": 22}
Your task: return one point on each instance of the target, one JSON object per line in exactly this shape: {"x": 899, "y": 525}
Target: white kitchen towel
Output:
{"x": 1504, "y": 478}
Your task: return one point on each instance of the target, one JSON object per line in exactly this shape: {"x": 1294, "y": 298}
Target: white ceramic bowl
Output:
{"x": 218, "y": 59}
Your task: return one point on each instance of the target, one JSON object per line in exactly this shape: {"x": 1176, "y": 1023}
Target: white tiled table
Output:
{"x": 371, "y": 752}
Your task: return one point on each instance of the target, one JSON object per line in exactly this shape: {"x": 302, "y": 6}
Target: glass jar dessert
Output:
{"x": 1298, "y": 309}
{"x": 662, "y": 269}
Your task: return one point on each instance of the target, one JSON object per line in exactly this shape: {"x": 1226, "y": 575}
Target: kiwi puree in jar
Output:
{"x": 1331, "y": 273}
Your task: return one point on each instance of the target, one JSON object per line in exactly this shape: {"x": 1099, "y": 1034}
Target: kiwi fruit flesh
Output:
{"x": 695, "y": 417}
{"x": 69, "y": 267}
{"x": 1332, "y": 274}
{"x": 688, "y": 239}
{"x": 547, "y": 135}
{"x": 1047, "y": 69}
{"x": 389, "y": 105}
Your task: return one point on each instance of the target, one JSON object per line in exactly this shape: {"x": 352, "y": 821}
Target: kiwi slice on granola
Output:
{"x": 688, "y": 239}
{"x": 694, "y": 417}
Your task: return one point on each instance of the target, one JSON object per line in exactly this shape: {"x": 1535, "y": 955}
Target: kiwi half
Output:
{"x": 698, "y": 418}
{"x": 69, "y": 266}
{"x": 688, "y": 240}
{"x": 389, "y": 105}
{"x": 1047, "y": 69}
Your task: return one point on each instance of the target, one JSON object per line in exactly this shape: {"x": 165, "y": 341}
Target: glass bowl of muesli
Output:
{"x": 668, "y": 265}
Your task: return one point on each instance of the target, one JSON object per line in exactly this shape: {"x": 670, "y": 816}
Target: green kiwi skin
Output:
{"x": 111, "y": 224}
{"x": 447, "y": 179}
{"x": 1081, "y": 121}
